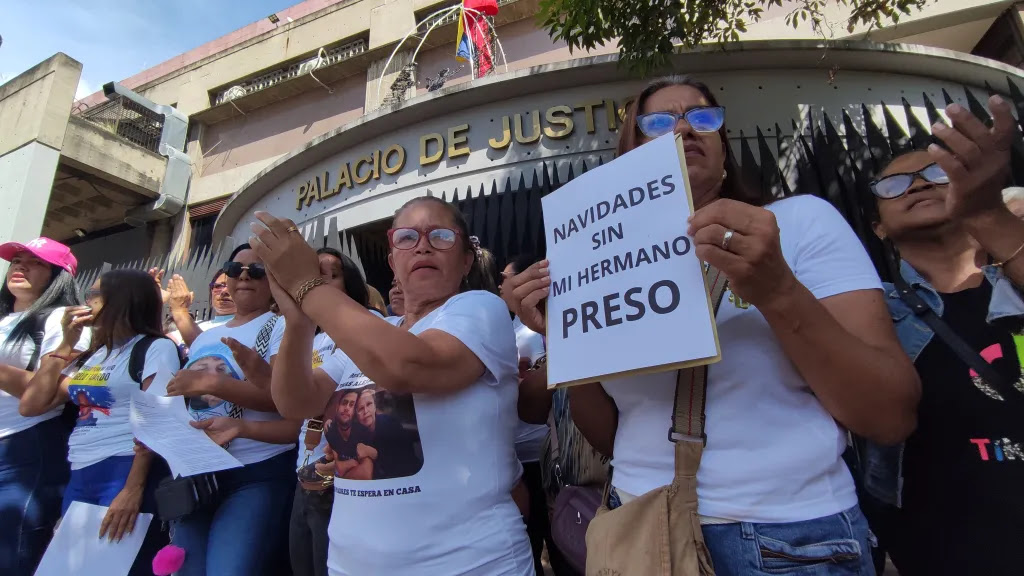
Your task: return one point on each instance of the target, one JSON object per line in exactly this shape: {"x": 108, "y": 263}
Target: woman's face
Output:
{"x": 211, "y": 365}
{"x": 28, "y": 277}
{"x": 923, "y": 206}
{"x": 94, "y": 298}
{"x": 426, "y": 273}
{"x": 366, "y": 409}
{"x": 249, "y": 295}
{"x": 223, "y": 305}
{"x": 397, "y": 298}
{"x": 705, "y": 152}
{"x": 330, "y": 271}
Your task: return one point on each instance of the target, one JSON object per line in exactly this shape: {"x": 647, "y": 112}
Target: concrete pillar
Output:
{"x": 34, "y": 112}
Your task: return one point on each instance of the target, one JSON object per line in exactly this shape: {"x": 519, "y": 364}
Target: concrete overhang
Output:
{"x": 900, "y": 59}
{"x": 91, "y": 149}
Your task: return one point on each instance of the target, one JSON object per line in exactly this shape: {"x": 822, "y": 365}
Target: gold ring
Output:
{"x": 293, "y": 228}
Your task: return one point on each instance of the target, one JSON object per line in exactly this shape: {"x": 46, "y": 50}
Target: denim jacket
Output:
{"x": 883, "y": 465}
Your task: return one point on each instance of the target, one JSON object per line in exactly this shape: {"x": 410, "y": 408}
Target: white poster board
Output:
{"x": 76, "y": 547}
{"x": 627, "y": 290}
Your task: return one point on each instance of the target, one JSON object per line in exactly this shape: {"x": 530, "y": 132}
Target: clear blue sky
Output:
{"x": 116, "y": 39}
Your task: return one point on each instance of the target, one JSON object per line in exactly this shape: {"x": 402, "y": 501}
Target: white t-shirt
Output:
{"x": 210, "y": 354}
{"x": 529, "y": 437}
{"x": 323, "y": 347}
{"x": 203, "y": 326}
{"x": 439, "y": 501}
{"x": 102, "y": 389}
{"x": 19, "y": 356}
{"x": 773, "y": 454}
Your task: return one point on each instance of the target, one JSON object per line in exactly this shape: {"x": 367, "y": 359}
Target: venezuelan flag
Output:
{"x": 473, "y": 39}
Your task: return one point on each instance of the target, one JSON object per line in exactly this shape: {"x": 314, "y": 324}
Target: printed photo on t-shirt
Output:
{"x": 88, "y": 390}
{"x": 372, "y": 433}
{"x": 213, "y": 359}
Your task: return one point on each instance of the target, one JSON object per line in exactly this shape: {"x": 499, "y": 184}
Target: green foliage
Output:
{"x": 648, "y": 30}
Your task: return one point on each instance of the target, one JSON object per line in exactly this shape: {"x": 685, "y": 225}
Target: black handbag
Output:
{"x": 179, "y": 497}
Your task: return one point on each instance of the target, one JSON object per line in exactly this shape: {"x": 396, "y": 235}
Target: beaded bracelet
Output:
{"x": 306, "y": 287}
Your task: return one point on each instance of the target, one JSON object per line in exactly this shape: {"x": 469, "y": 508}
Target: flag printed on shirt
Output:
{"x": 372, "y": 433}
{"x": 89, "y": 391}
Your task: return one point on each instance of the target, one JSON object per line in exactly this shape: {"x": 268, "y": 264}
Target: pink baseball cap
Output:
{"x": 46, "y": 250}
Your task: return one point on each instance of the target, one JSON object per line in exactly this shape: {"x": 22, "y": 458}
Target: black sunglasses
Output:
{"x": 896, "y": 185}
{"x": 235, "y": 269}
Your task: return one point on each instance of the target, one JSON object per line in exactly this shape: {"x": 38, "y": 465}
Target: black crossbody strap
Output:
{"x": 692, "y": 383}
{"x": 962, "y": 349}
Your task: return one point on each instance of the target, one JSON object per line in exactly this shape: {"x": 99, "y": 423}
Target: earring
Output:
{"x": 725, "y": 174}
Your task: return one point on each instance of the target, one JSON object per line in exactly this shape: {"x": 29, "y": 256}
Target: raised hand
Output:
{"x": 743, "y": 242}
{"x": 978, "y": 159}
{"x": 254, "y": 367}
{"x": 529, "y": 290}
{"x": 75, "y": 319}
{"x": 179, "y": 297}
{"x": 158, "y": 277}
{"x": 284, "y": 252}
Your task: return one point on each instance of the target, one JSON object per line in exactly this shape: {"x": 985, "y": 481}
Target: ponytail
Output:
{"x": 484, "y": 273}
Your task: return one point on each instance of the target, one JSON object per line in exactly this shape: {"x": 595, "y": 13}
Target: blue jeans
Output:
{"x": 33, "y": 473}
{"x": 101, "y": 482}
{"x": 246, "y": 532}
{"x": 834, "y": 545}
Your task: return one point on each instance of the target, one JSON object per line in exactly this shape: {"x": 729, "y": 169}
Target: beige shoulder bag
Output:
{"x": 658, "y": 534}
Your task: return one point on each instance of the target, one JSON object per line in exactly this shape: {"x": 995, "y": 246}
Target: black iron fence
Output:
{"x": 820, "y": 159}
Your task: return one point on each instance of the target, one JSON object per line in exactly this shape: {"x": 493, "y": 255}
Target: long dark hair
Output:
{"x": 355, "y": 285}
{"x": 476, "y": 279}
{"x": 131, "y": 303}
{"x": 735, "y": 186}
{"x": 59, "y": 292}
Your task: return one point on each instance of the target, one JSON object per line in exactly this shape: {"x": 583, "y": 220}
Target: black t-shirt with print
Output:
{"x": 963, "y": 492}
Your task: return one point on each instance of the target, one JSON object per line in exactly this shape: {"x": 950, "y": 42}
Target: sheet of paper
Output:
{"x": 77, "y": 549}
{"x": 162, "y": 424}
{"x": 627, "y": 288}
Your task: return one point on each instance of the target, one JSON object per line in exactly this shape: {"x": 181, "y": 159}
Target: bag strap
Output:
{"x": 962, "y": 349}
{"x": 692, "y": 383}
{"x": 137, "y": 359}
{"x": 263, "y": 337}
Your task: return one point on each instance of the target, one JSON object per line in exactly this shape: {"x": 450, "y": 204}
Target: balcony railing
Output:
{"x": 268, "y": 79}
{"x": 128, "y": 120}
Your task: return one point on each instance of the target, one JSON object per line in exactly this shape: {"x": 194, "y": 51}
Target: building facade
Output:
{"x": 335, "y": 112}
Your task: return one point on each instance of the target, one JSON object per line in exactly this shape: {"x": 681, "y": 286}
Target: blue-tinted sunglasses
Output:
{"x": 703, "y": 119}
{"x": 896, "y": 185}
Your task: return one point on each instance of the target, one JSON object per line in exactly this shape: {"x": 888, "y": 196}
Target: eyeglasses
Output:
{"x": 896, "y": 185}
{"x": 235, "y": 269}
{"x": 218, "y": 286}
{"x": 409, "y": 238}
{"x": 703, "y": 119}
{"x": 91, "y": 294}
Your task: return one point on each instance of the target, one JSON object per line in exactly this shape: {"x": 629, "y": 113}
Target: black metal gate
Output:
{"x": 508, "y": 219}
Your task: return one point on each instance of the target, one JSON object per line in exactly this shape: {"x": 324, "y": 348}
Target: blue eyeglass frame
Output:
{"x": 691, "y": 117}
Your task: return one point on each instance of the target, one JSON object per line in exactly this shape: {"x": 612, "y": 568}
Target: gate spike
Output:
{"x": 919, "y": 135}
{"x": 933, "y": 112}
{"x": 976, "y": 107}
{"x": 899, "y": 140}
{"x": 770, "y": 179}
{"x": 945, "y": 96}
{"x": 333, "y": 236}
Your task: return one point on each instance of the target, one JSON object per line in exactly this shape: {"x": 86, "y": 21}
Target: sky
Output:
{"x": 116, "y": 39}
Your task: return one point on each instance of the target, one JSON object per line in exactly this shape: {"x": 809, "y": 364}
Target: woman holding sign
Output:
{"x": 807, "y": 350}
{"x": 423, "y": 475}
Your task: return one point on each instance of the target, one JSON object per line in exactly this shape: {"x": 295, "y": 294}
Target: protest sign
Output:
{"x": 627, "y": 291}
